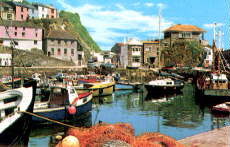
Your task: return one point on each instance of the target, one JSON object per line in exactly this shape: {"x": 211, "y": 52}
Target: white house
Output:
{"x": 5, "y": 59}
{"x": 131, "y": 53}
{"x": 209, "y": 57}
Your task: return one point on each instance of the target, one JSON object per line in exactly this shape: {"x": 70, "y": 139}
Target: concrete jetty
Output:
{"x": 214, "y": 138}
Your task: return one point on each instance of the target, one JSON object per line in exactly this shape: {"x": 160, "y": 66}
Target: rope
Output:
{"x": 48, "y": 119}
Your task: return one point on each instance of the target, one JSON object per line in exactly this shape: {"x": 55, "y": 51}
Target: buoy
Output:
{"x": 72, "y": 110}
{"x": 70, "y": 141}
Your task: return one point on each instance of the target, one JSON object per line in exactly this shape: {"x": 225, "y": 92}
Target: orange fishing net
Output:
{"x": 99, "y": 134}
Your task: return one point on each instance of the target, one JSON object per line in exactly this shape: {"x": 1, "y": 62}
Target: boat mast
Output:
{"x": 159, "y": 37}
{"x": 216, "y": 56}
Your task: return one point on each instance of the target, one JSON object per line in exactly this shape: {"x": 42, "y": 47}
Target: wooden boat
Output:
{"x": 15, "y": 126}
{"x": 166, "y": 85}
{"x": 61, "y": 103}
{"x": 119, "y": 86}
{"x": 98, "y": 89}
{"x": 214, "y": 83}
{"x": 223, "y": 107}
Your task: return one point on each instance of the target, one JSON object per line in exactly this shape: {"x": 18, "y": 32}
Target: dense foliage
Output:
{"x": 183, "y": 53}
{"x": 78, "y": 29}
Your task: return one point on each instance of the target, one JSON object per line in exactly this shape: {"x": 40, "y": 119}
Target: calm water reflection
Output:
{"x": 178, "y": 116}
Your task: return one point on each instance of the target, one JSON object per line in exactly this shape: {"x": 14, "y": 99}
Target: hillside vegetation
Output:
{"x": 183, "y": 53}
{"x": 34, "y": 57}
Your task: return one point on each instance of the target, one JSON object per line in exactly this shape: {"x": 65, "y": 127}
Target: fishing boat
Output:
{"x": 165, "y": 85}
{"x": 223, "y": 107}
{"x": 98, "y": 89}
{"x": 62, "y": 103}
{"x": 214, "y": 83}
{"x": 15, "y": 125}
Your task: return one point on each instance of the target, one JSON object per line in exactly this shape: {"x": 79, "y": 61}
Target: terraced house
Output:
{"x": 132, "y": 53}
{"x": 44, "y": 11}
{"x": 63, "y": 45}
{"x": 7, "y": 11}
{"x": 26, "y": 35}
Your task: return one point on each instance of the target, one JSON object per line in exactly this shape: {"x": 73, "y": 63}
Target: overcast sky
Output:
{"x": 110, "y": 21}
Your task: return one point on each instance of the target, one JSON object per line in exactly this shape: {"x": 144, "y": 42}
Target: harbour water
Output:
{"x": 177, "y": 116}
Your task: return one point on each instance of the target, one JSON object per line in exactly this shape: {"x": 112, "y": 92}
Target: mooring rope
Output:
{"x": 48, "y": 119}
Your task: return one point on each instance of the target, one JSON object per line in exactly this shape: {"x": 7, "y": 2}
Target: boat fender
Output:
{"x": 72, "y": 110}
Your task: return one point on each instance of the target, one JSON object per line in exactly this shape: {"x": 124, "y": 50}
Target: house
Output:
{"x": 45, "y": 11}
{"x": 208, "y": 58}
{"x": 150, "y": 52}
{"x": 21, "y": 10}
{"x": 25, "y": 35}
{"x": 183, "y": 32}
{"x": 132, "y": 53}
{"x": 5, "y": 59}
{"x": 7, "y": 11}
{"x": 108, "y": 57}
{"x": 117, "y": 50}
{"x": 63, "y": 45}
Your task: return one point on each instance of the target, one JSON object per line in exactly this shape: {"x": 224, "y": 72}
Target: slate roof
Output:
{"x": 184, "y": 28}
{"x": 60, "y": 34}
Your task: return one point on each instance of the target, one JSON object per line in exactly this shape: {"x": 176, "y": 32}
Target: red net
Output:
{"x": 99, "y": 134}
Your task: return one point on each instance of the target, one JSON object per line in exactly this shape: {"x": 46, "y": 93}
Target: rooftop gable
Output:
{"x": 184, "y": 28}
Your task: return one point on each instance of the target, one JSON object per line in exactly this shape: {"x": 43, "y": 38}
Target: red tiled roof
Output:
{"x": 184, "y": 28}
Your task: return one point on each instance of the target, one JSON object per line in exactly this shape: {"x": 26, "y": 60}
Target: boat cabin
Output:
{"x": 218, "y": 81}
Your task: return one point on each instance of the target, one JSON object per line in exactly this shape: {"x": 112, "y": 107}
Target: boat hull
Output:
{"x": 17, "y": 134}
{"x": 123, "y": 87}
{"x": 61, "y": 113}
{"x": 163, "y": 89}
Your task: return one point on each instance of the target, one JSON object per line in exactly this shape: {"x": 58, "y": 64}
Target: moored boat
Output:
{"x": 61, "y": 103}
{"x": 15, "y": 125}
{"x": 98, "y": 89}
{"x": 223, "y": 107}
{"x": 166, "y": 85}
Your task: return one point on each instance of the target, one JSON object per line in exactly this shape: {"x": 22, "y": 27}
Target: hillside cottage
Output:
{"x": 25, "y": 35}
{"x": 63, "y": 45}
{"x": 44, "y": 11}
{"x": 7, "y": 11}
{"x": 183, "y": 32}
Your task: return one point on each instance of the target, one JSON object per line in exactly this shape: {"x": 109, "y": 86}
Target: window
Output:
{"x": 15, "y": 33}
{"x": 16, "y": 28}
{"x": 66, "y": 42}
{"x": 59, "y": 51}
{"x": 52, "y": 10}
{"x": 9, "y": 16}
{"x": 24, "y": 28}
{"x": 72, "y": 42}
{"x": 59, "y": 41}
{"x": 79, "y": 57}
{"x": 136, "y": 59}
{"x": 65, "y": 51}
{"x": 147, "y": 49}
{"x": 6, "y": 8}
{"x": 22, "y": 9}
{"x": 72, "y": 52}
{"x": 23, "y": 34}
{"x": 32, "y": 10}
{"x": 52, "y": 51}
{"x": 43, "y": 9}
{"x": 35, "y": 42}
{"x": 42, "y": 15}
{"x": 185, "y": 35}
{"x": 21, "y": 16}
{"x": 36, "y": 34}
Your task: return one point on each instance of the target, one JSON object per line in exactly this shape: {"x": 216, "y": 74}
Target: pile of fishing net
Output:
{"x": 113, "y": 135}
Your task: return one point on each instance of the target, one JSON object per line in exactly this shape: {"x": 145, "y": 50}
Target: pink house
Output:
{"x": 52, "y": 12}
{"x": 26, "y": 36}
{"x": 21, "y": 13}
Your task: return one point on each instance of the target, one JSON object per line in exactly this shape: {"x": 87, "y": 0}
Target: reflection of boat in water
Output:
{"x": 161, "y": 98}
{"x": 122, "y": 92}
{"x": 15, "y": 126}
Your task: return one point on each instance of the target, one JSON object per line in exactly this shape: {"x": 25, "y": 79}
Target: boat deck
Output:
{"x": 215, "y": 138}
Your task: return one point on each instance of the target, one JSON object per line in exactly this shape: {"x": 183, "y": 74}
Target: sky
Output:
{"x": 112, "y": 21}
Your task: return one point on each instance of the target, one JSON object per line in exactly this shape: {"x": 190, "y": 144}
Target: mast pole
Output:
{"x": 12, "y": 65}
{"x": 159, "y": 35}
